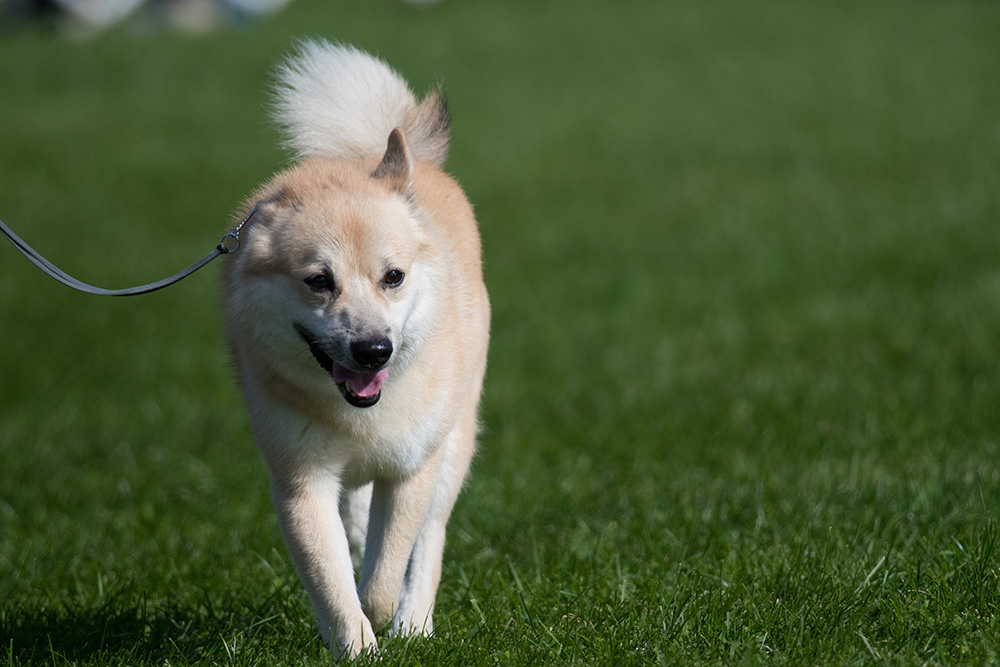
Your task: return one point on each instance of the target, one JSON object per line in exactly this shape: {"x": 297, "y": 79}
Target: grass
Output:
{"x": 744, "y": 377}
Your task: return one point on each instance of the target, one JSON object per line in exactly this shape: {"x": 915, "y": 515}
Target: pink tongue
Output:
{"x": 361, "y": 384}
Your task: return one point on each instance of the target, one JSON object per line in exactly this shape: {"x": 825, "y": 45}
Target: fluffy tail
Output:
{"x": 336, "y": 101}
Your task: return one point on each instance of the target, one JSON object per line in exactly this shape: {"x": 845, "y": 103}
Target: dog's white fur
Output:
{"x": 361, "y": 100}
{"x": 314, "y": 302}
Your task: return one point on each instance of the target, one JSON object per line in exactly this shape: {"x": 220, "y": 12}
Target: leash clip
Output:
{"x": 230, "y": 242}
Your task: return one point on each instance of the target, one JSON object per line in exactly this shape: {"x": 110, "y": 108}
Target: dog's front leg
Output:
{"x": 423, "y": 573}
{"x": 398, "y": 508}
{"x": 313, "y": 530}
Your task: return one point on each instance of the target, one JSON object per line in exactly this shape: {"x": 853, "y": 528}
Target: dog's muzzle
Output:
{"x": 360, "y": 388}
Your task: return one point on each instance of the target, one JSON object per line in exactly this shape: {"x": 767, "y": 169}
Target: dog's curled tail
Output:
{"x": 336, "y": 101}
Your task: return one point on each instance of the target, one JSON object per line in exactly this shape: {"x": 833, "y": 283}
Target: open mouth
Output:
{"x": 362, "y": 389}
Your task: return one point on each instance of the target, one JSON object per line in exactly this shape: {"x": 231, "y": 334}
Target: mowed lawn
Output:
{"x": 744, "y": 384}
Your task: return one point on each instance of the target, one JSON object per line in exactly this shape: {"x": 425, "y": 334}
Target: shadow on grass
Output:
{"x": 124, "y": 628}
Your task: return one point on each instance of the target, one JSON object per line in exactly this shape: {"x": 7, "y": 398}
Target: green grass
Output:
{"x": 744, "y": 384}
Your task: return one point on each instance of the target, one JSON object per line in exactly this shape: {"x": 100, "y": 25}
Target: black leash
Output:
{"x": 229, "y": 243}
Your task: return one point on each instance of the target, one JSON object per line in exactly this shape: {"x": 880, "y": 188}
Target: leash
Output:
{"x": 228, "y": 244}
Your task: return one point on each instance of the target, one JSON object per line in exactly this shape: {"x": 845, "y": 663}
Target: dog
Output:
{"x": 358, "y": 323}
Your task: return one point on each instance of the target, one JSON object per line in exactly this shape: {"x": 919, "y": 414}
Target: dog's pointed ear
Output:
{"x": 281, "y": 197}
{"x": 396, "y": 164}
{"x": 274, "y": 204}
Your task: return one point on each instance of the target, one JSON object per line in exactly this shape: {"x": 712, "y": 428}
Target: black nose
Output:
{"x": 372, "y": 353}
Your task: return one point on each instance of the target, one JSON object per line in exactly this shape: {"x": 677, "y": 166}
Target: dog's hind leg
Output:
{"x": 355, "y": 505}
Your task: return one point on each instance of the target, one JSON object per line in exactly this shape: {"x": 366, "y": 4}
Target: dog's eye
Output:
{"x": 393, "y": 278}
{"x": 319, "y": 283}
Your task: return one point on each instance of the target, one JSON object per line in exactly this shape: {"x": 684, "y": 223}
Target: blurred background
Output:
{"x": 88, "y": 18}
{"x": 743, "y": 385}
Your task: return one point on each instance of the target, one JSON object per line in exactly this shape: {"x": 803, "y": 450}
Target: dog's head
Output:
{"x": 335, "y": 273}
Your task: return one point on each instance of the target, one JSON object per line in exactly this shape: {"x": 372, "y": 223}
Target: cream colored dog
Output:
{"x": 358, "y": 322}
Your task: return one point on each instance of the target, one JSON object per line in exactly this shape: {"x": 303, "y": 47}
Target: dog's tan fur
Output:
{"x": 378, "y": 480}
